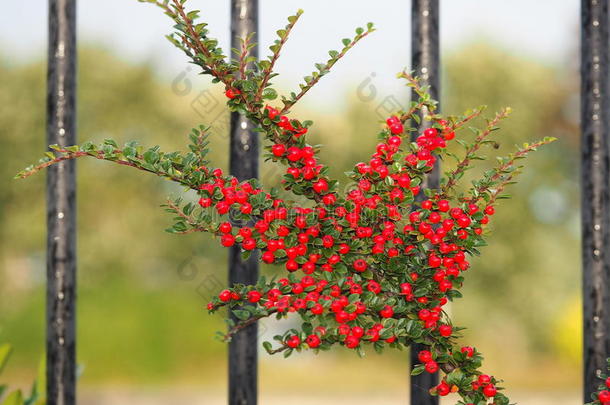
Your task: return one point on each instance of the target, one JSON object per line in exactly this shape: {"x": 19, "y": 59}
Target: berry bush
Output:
{"x": 370, "y": 264}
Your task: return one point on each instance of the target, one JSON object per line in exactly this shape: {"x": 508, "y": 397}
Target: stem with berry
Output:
{"x": 371, "y": 267}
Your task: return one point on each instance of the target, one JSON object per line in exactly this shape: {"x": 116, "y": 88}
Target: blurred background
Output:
{"x": 143, "y": 334}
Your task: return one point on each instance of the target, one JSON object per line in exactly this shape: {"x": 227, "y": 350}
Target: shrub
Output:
{"x": 369, "y": 266}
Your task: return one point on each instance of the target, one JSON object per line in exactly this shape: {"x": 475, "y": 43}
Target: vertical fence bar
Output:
{"x": 61, "y": 206}
{"x": 595, "y": 171}
{"x": 243, "y": 349}
{"x": 425, "y": 60}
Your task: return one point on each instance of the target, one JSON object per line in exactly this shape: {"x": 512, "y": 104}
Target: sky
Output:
{"x": 546, "y": 30}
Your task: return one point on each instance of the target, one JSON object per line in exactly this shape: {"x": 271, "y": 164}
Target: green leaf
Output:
{"x": 14, "y": 398}
{"x": 5, "y": 352}
{"x": 269, "y": 94}
{"x": 241, "y": 314}
{"x": 151, "y": 156}
{"x": 40, "y": 385}
{"x": 417, "y": 370}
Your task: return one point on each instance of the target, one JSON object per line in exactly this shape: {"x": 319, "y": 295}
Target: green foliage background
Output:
{"x": 141, "y": 317}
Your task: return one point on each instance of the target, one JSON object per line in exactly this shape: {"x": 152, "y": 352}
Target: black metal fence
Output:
{"x": 61, "y": 202}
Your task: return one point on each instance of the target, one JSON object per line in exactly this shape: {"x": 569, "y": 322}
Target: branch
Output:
{"x": 191, "y": 37}
{"x": 455, "y": 175}
{"x": 113, "y": 154}
{"x": 468, "y": 118}
{"x": 187, "y": 219}
{"x": 424, "y": 96}
{"x": 502, "y": 175}
{"x": 243, "y": 56}
{"x": 276, "y": 48}
{"x": 246, "y": 323}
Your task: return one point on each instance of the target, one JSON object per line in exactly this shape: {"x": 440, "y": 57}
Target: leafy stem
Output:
{"x": 276, "y": 49}
{"x": 463, "y": 164}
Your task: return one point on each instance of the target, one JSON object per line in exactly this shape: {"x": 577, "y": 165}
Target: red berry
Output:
{"x": 392, "y": 120}
{"x": 463, "y": 221}
{"x": 232, "y": 93}
{"x": 489, "y": 210}
{"x": 387, "y": 312}
{"x": 424, "y": 356}
{"x": 293, "y": 341}
{"x": 294, "y": 172}
{"x": 468, "y": 351}
{"x": 268, "y": 257}
{"x": 320, "y": 186}
{"x": 285, "y": 123}
{"x": 313, "y": 341}
{"x": 292, "y": 265}
{"x": 225, "y": 227}
{"x": 351, "y": 342}
{"x": 357, "y": 331}
{"x": 360, "y": 265}
{"x": 294, "y": 154}
{"x": 603, "y": 397}
{"x": 225, "y": 295}
{"x": 490, "y": 391}
{"x": 278, "y": 149}
{"x": 445, "y": 330}
{"x": 424, "y": 314}
{"x": 427, "y": 204}
{"x": 317, "y": 309}
{"x": 431, "y": 367}
{"x": 484, "y": 379}
{"x": 254, "y": 296}
{"x": 272, "y": 112}
{"x": 443, "y": 205}
{"x": 373, "y": 335}
{"x": 608, "y": 382}
{"x": 443, "y": 389}
{"x": 394, "y": 141}
{"x": 434, "y": 261}
{"x": 430, "y": 132}
{"x": 396, "y": 128}
{"x": 344, "y": 248}
{"x": 405, "y": 288}
{"x": 404, "y": 181}
{"x": 249, "y": 244}
{"x": 329, "y": 199}
{"x": 227, "y": 240}
{"x": 205, "y": 202}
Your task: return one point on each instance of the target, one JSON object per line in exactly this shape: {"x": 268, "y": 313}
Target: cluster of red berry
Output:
{"x": 372, "y": 266}
{"x": 353, "y": 249}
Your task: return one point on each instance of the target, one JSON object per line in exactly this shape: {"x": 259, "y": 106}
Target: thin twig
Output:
{"x": 463, "y": 164}
{"x": 267, "y": 72}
